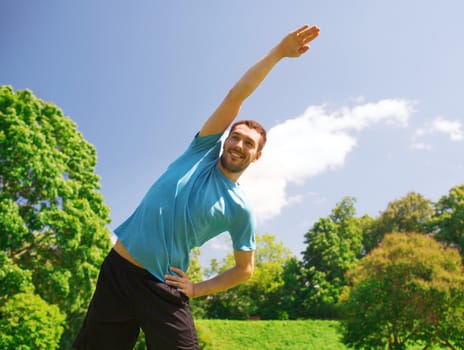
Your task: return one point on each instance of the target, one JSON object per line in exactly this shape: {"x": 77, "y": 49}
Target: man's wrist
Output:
{"x": 278, "y": 53}
{"x": 193, "y": 290}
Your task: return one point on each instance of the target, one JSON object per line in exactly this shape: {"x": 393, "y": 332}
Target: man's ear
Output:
{"x": 258, "y": 155}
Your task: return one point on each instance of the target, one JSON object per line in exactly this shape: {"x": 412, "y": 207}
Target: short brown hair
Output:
{"x": 252, "y": 124}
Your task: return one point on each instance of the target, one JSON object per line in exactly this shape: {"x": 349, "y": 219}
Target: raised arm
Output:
{"x": 293, "y": 45}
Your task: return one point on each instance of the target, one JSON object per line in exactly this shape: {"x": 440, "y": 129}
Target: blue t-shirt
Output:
{"x": 192, "y": 202}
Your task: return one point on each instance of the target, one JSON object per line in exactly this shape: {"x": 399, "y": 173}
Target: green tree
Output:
{"x": 333, "y": 246}
{"x": 52, "y": 216}
{"x": 261, "y": 295}
{"x": 13, "y": 279}
{"x": 448, "y": 221}
{"x": 28, "y": 323}
{"x": 26, "y": 320}
{"x": 195, "y": 270}
{"x": 294, "y": 292}
{"x": 266, "y": 285}
{"x": 195, "y": 273}
{"x": 408, "y": 290}
{"x": 412, "y": 213}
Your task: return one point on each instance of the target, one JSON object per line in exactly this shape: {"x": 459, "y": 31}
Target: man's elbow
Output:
{"x": 247, "y": 272}
{"x": 237, "y": 95}
{"x": 244, "y": 265}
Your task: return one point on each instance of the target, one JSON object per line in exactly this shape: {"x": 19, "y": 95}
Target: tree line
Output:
{"x": 391, "y": 279}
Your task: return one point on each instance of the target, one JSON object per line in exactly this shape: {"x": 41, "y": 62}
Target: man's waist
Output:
{"x": 124, "y": 253}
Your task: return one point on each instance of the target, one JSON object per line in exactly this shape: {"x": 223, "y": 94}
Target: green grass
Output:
{"x": 272, "y": 335}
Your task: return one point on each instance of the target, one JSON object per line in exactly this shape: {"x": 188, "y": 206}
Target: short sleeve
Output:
{"x": 242, "y": 232}
{"x": 204, "y": 143}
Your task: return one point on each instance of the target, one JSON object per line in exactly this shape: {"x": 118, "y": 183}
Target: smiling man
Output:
{"x": 143, "y": 282}
{"x": 243, "y": 146}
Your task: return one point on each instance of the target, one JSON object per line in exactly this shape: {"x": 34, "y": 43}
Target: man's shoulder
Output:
{"x": 206, "y": 141}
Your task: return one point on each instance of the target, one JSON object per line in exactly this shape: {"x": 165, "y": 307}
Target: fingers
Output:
{"x": 179, "y": 271}
{"x": 306, "y": 33}
{"x": 303, "y": 49}
{"x": 176, "y": 280}
{"x": 297, "y": 43}
{"x": 302, "y": 28}
{"x": 181, "y": 282}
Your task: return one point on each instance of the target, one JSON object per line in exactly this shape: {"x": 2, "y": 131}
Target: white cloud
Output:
{"x": 453, "y": 129}
{"x": 310, "y": 144}
{"x": 219, "y": 243}
{"x": 421, "y": 146}
{"x": 359, "y": 99}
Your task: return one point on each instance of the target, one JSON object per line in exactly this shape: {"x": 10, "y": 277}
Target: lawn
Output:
{"x": 272, "y": 335}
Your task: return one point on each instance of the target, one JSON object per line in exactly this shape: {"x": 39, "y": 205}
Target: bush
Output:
{"x": 408, "y": 290}
{"x": 28, "y": 322}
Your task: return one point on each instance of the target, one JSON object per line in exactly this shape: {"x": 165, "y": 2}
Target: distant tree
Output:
{"x": 411, "y": 213}
{"x": 333, "y": 246}
{"x": 195, "y": 271}
{"x": 52, "y": 216}
{"x": 448, "y": 222}
{"x": 408, "y": 290}
{"x": 266, "y": 285}
{"x": 196, "y": 274}
{"x": 261, "y": 295}
{"x": 294, "y": 292}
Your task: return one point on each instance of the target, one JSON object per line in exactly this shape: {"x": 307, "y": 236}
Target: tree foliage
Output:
{"x": 52, "y": 215}
{"x": 409, "y": 289}
{"x": 333, "y": 246}
{"x": 261, "y": 295}
{"x": 53, "y": 238}
{"x": 28, "y": 323}
{"x": 196, "y": 274}
{"x": 412, "y": 213}
{"x": 13, "y": 279}
{"x": 448, "y": 222}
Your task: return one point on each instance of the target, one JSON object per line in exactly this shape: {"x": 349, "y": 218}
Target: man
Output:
{"x": 142, "y": 282}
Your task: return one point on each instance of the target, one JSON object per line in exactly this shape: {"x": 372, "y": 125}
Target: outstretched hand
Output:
{"x": 297, "y": 43}
{"x": 182, "y": 282}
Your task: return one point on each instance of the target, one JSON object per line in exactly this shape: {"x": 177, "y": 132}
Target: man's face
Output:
{"x": 240, "y": 149}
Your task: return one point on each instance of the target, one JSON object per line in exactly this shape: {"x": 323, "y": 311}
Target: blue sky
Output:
{"x": 373, "y": 110}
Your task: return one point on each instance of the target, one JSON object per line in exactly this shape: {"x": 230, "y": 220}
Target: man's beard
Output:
{"x": 237, "y": 168}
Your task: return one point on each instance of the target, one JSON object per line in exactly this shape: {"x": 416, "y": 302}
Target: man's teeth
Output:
{"x": 236, "y": 154}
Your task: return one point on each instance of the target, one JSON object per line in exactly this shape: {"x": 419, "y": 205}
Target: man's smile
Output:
{"x": 236, "y": 154}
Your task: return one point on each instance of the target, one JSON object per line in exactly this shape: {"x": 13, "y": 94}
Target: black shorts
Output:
{"x": 128, "y": 298}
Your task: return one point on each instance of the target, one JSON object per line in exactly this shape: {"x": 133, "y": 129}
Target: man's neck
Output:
{"x": 232, "y": 176}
